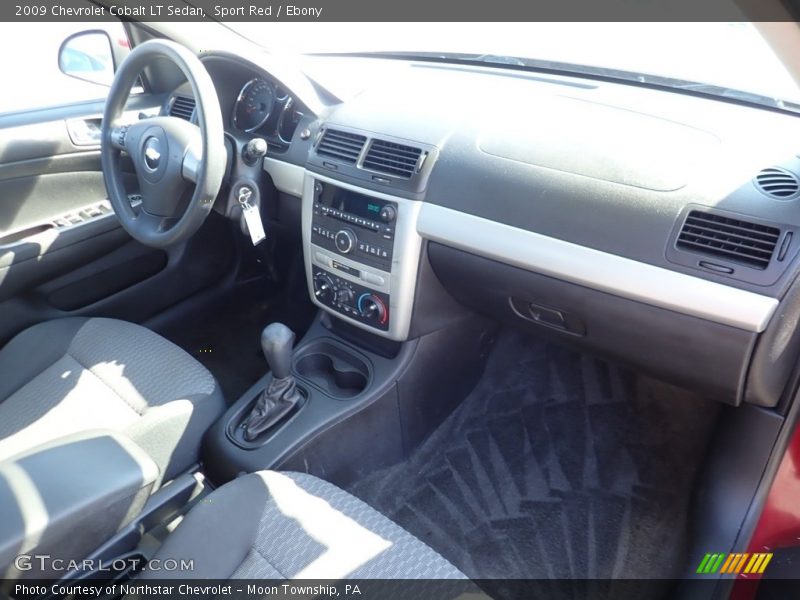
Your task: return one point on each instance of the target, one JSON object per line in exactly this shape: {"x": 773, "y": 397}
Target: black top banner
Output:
{"x": 405, "y": 11}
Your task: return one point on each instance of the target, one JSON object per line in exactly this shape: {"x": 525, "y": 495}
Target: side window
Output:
{"x": 34, "y": 66}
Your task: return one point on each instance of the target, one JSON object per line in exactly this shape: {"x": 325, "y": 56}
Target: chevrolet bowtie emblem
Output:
{"x": 152, "y": 154}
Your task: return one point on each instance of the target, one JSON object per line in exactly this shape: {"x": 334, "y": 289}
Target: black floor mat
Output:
{"x": 557, "y": 465}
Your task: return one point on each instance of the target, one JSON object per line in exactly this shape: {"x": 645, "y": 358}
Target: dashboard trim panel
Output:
{"x": 596, "y": 269}
{"x": 286, "y": 176}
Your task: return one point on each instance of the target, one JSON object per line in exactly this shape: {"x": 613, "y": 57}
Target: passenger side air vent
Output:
{"x": 392, "y": 159}
{"x": 733, "y": 239}
{"x": 777, "y": 183}
{"x": 182, "y": 107}
{"x": 341, "y": 145}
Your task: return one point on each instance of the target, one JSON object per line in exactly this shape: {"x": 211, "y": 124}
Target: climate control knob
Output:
{"x": 372, "y": 308}
{"x": 323, "y": 288}
{"x": 344, "y": 295}
{"x": 345, "y": 240}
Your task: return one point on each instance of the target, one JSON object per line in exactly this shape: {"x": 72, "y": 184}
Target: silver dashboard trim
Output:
{"x": 598, "y": 270}
{"x": 287, "y": 177}
{"x": 402, "y": 280}
{"x": 323, "y": 257}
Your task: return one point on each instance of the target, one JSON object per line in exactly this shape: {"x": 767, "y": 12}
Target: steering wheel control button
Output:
{"x": 345, "y": 240}
{"x": 119, "y": 134}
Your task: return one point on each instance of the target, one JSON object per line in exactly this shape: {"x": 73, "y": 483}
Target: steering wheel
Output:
{"x": 169, "y": 154}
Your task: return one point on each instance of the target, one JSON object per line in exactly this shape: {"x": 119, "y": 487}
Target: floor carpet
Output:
{"x": 227, "y": 341}
{"x": 556, "y": 466}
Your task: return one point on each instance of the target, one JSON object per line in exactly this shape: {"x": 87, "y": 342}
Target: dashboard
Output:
{"x": 254, "y": 104}
{"x": 266, "y": 108}
{"x": 659, "y": 228}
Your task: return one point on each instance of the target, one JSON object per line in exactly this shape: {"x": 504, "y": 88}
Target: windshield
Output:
{"x": 725, "y": 57}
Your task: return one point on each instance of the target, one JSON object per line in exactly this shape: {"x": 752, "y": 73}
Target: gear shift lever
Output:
{"x": 277, "y": 341}
{"x": 281, "y": 396}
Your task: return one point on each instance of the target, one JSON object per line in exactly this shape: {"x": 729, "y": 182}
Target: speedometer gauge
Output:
{"x": 254, "y": 105}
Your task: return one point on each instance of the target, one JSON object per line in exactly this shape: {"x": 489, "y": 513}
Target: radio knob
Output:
{"x": 323, "y": 288}
{"x": 345, "y": 240}
{"x": 388, "y": 213}
{"x": 372, "y": 308}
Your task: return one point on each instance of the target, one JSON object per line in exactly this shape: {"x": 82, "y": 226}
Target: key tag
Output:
{"x": 252, "y": 216}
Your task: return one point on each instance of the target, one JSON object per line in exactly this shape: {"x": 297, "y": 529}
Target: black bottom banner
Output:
{"x": 402, "y": 589}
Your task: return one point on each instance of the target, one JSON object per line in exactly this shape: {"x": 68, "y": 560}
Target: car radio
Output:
{"x": 362, "y": 251}
{"x": 355, "y": 225}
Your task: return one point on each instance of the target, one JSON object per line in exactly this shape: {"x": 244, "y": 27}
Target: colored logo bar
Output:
{"x": 733, "y": 564}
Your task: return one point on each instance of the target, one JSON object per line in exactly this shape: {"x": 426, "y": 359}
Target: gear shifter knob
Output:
{"x": 277, "y": 341}
{"x": 281, "y": 395}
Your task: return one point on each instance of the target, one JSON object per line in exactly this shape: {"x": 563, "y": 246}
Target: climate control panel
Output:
{"x": 363, "y": 304}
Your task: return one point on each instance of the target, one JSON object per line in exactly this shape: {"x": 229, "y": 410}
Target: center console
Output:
{"x": 384, "y": 398}
{"x": 363, "y": 369}
{"x": 361, "y": 254}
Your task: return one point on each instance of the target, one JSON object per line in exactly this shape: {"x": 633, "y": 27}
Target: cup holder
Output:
{"x": 333, "y": 368}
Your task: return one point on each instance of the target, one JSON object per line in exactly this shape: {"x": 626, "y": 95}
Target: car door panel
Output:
{"x": 157, "y": 279}
{"x": 37, "y": 149}
{"x": 35, "y": 200}
{"x": 62, "y": 250}
{"x": 118, "y": 270}
{"x": 38, "y": 258}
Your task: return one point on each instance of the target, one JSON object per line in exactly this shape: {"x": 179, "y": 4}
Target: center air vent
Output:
{"x": 392, "y": 159}
{"x": 733, "y": 239}
{"x": 182, "y": 107}
{"x": 777, "y": 183}
{"x": 341, "y": 145}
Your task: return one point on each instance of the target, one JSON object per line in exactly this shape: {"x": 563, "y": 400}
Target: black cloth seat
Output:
{"x": 75, "y": 374}
{"x": 281, "y": 525}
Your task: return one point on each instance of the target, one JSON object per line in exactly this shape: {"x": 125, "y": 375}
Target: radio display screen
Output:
{"x": 357, "y": 204}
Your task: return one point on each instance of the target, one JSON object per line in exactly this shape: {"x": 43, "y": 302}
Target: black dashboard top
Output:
{"x": 609, "y": 166}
